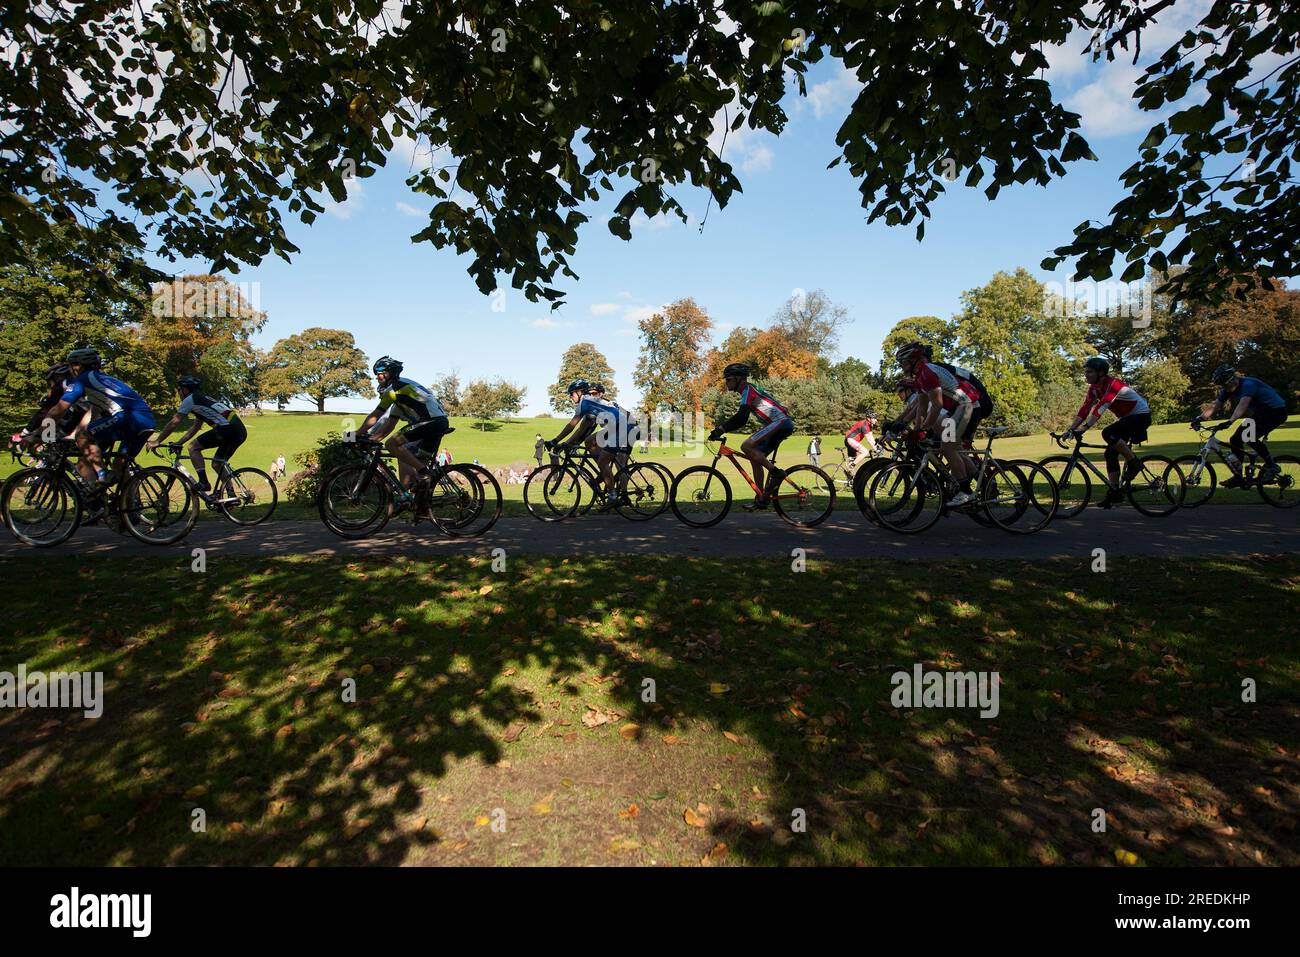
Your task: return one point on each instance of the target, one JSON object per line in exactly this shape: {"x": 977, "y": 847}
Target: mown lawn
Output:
{"x": 502, "y": 717}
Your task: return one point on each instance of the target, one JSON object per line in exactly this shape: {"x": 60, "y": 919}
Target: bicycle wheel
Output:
{"x": 354, "y": 501}
{"x": 569, "y": 492}
{"x": 1157, "y": 489}
{"x": 157, "y": 505}
{"x": 1283, "y": 491}
{"x": 1199, "y": 480}
{"x": 1043, "y": 496}
{"x": 1073, "y": 484}
{"x": 906, "y": 497}
{"x": 700, "y": 496}
{"x": 41, "y": 508}
{"x": 1003, "y": 495}
{"x": 248, "y": 497}
{"x": 535, "y": 494}
{"x": 488, "y": 504}
{"x": 805, "y": 496}
{"x": 861, "y": 478}
{"x": 642, "y": 493}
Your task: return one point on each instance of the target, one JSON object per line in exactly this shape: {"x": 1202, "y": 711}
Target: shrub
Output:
{"x": 330, "y": 452}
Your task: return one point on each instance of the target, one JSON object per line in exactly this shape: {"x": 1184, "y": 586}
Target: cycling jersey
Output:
{"x": 956, "y": 392}
{"x": 1111, "y": 393}
{"x": 965, "y": 375}
{"x": 762, "y": 404}
{"x": 860, "y": 427}
{"x": 110, "y": 396}
{"x": 617, "y": 428}
{"x": 212, "y": 411}
{"x": 1261, "y": 395}
{"x": 408, "y": 400}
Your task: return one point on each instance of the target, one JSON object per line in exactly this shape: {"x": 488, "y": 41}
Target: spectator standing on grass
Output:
{"x": 815, "y": 450}
{"x": 280, "y": 466}
{"x": 539, "y": 447}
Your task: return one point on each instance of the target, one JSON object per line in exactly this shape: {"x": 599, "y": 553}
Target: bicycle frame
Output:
{"x": 1077, "y": 458}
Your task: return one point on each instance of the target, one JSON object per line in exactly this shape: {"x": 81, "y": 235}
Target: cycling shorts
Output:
{"x": 1131, "y": 428}
{"x": 130, "y": 428}
{"x": 769, "y": 437}
{"x": 224, "y": 438}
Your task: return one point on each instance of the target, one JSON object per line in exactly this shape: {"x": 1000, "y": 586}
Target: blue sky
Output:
{"x": 796, "y": 226}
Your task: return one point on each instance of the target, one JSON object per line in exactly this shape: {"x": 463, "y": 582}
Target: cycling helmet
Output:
{"x": 909, "y": 351}
{"x": 1223, "y": 374}
{"x": 84, "y": 357}
{"x": 387, "y": 364}
{"x": 597, "y": 389}
{"x": 737, "y": 369}
{"x": 59, "y": 370}
{"x": 578, "y": 385}
{"x": 929, "y": 352}
{"x": 1098, "y": 363}
{"x": 189, "y": 382}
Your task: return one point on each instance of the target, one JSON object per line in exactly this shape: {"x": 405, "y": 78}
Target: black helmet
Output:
{"x": 387, "y": 364}
{"x": 908, "y": 351}
{"x": 190, "y": 382}
{"x": 59, "y": 370}
{"x": 1223, "y": 374}
{"x": 579, "y": 385}
{"x": 1098, "y": 363}
{"x": 597, "y": 388}
{"x": 737, "y": 369}
{"x": 84, "y": 357}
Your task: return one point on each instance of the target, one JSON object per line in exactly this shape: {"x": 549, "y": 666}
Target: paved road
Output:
{"x": 1213, "y": 530}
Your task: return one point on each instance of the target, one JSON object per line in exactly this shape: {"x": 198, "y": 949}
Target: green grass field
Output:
{"x": 506, "y": 718}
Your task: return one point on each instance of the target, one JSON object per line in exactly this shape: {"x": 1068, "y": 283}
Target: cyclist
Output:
{"x": 603, "y": 422}
{"x": 947, "y": 402}
{"x": 227, "y": 432}
{"x": 406, "y": 401}
{"x": 983, "y": 403}
{"x": 78, "y": 416}
{"x": 1132, "y": 419}
{"x": 777, "y": 426}
{"x": 859, "y": 439}
{"x": 1256, "y": 400}
{"x": 124, "y": 416}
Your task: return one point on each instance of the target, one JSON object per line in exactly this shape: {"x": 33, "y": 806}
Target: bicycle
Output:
{"x": 909, "y": 496}
{"x": 701, "y": 495}
{"x": 44, "y": 505}
{"x": 1156, "y": 488}
{"x": 1281, "y": 490}
{"x": 572, "y": 485}
{"x": 246, "y": 496}
{"x": 843, "y": 473}
{"x": 358, "y": 499}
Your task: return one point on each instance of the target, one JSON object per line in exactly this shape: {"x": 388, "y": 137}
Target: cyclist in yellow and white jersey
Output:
{"x": 403, "y": 400}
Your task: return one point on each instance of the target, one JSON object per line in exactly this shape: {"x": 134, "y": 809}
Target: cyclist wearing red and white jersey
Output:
{"x": 775, "y": 426}
{"x": 983, "y": 406}
{"x": 860, "y": 440}
{"x": 946, "y": 402}
{"x": 1107, "y": 393}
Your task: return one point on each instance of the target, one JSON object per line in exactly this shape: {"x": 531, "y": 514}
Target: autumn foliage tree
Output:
{"x": 319, "y": 364}
{"x": 581, "y": 361}
{"x": 672, "y": 357}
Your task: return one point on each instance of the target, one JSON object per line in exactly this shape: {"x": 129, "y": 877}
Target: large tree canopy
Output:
{"x": 193, "y": 128}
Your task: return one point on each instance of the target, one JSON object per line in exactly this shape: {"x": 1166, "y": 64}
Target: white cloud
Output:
{"x": 355, "y": 201}
{"x": 834, "y": 94}
{"x": 604, "y": 308}
{"x": 545, "y": 323}
{"x": 634, "y": 314}
{"x": 759, "y": 159}
{"x": 656, "y": 222}
{"x": 1107, "y": 105}
{"x": 410, "y": 210}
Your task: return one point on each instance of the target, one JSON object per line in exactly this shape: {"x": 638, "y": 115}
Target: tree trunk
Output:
{"x": 320, "y": 404}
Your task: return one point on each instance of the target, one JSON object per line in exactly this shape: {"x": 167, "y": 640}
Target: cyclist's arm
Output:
{"x": 157, "y": 438}
{"x": 735, "y": 422}
{"x": 380, "y": 412}
{"x": 928, "y": 408}
{"x": 193, "y": 431}
{"x": 569, "y": 427}
{"x": 1242, "y": 408}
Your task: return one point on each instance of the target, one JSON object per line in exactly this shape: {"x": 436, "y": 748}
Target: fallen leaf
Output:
{"x": 693, "y": 819}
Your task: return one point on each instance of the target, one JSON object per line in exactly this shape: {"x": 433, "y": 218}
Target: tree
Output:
{"x": 1017, "y": 338}
{"x": 581, "y": 361}
{"x": 320, "y": 364}
{"x": 1163, "y": 384}
{"x": 486, "y": 401}
{"x": 447, "y": 389}
{"x": 930, "y": 330}
{"x": 48, "y": 308}
{"x": 1124, "y": 343}
{"x": 671, "y": 360}
{"x": 202, "y": 324}
{"x": 812, "y": 322}
{"x": 535, "y": 110}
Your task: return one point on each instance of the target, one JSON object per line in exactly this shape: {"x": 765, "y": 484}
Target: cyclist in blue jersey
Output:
{"x": 775, "y": 426}
{"x": 227, "y": 432}
{"x": 122, "y": 415}
{"x": 1256, "y": 401}
{"x": 612, "y": 427}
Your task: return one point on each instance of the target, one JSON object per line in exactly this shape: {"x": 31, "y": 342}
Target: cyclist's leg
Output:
{"x": 759, "y": 446}
{"x": 1266, "y": 420}
{"x": 856, "y": 451}
{"x": 204, "y": 440}
{"x": 103, "y": 432}
{"x": 429, "y": 436}
{"x": 232, "y": 437}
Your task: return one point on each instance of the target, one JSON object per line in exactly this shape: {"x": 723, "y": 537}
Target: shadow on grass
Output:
{"x": 224, "y": 692}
